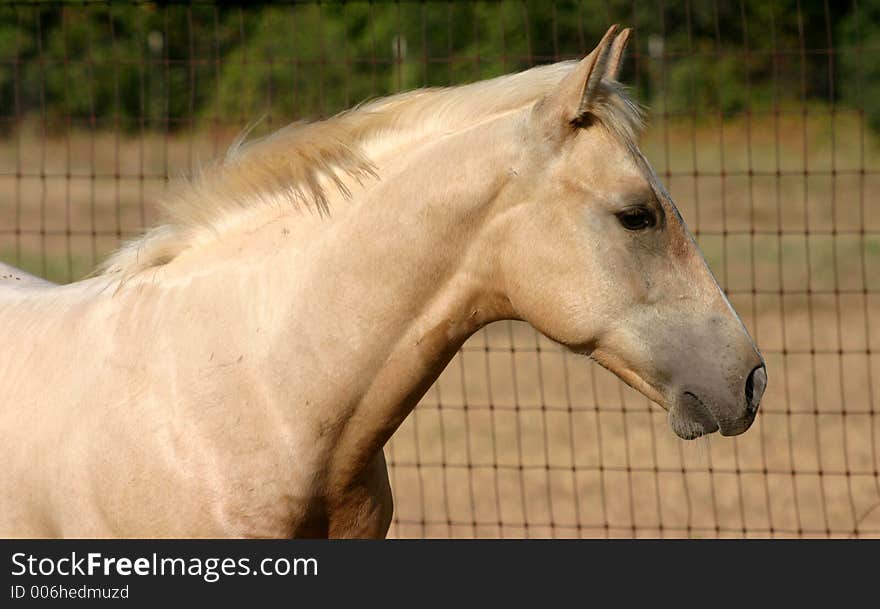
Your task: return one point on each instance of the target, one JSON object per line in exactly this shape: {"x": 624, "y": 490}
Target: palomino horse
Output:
{"x": 238, "y": 370}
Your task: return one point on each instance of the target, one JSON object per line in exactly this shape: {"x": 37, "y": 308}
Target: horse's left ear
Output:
{"x": 615, "y": 57}
{"x": 569, "y": 103}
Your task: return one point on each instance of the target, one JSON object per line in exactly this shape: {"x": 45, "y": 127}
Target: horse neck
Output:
{"x": 341, "y": 324}
{"x": 395, "y": 282}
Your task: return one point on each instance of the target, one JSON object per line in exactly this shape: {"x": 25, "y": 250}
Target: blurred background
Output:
{"x": 764, "y": 121}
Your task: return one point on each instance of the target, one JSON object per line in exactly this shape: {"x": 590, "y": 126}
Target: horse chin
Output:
{"x": 689, "y": 418}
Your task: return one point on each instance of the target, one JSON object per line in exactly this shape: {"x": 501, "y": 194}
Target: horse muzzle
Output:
{"x": 695, "y": 414}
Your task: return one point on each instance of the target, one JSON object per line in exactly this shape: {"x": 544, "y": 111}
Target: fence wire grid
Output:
{"x": 762, "y": 126}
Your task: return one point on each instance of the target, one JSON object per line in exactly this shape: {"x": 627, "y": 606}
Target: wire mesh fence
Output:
{"x": 762, "y": 127}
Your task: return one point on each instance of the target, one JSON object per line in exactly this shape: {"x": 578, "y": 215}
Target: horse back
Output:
{"x": 11, "y": 276}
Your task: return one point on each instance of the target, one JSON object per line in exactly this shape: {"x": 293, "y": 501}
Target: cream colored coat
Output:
{"x": 237, "y": 371}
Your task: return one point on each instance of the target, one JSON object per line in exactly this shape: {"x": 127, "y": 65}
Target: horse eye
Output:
{"x": 637, "y": 218}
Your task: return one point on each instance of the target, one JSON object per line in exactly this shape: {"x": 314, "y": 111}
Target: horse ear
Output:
{"x": 615, "y": 58}
{"x": 569, "y": 102}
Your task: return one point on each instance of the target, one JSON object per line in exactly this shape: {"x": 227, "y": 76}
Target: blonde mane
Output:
{"x": 296, "y": 162}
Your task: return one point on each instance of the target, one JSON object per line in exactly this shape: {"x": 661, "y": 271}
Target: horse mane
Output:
{"x": 296, "y": 163}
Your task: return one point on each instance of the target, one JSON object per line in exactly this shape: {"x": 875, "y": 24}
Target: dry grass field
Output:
{"x": 518, "y": 438}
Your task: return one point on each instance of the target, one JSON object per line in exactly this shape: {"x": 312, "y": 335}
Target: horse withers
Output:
{"x": 238, "y": 369}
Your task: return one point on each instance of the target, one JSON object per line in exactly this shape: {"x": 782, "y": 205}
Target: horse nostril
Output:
{"x": 755, "y": 385}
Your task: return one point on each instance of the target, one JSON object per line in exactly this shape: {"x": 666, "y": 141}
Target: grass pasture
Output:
{"x": 518, "y": 438}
